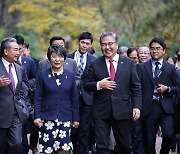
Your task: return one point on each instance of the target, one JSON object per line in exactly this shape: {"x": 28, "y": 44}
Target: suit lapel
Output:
{"x": 120, "y": 66}
{"x": 148, "y": 67}
{"x": 103, "y": 66}
{"x": 19, "y": 76}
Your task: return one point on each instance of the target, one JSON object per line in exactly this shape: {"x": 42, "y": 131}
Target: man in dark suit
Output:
{"x": 159, "y": 82}
{"x": 117, "y": 97}
{"x": 69, "y": 63}
{"x": 80, "y": 136}
{"x": 12, "y": 77}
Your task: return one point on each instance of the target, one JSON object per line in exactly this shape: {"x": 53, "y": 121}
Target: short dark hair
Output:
{"x": 130, "y": 50}
{"x": 56, "y": 48}
{"x": 159, "y": 41}
{"x": 5, "y": 44}
{"x": 108, "y": 33}
{"x": 56, "y": 38}
{"x": 177, "y": 50}
{"x": 86, "y": 35}
{"x": 19, "y": 39}
{"x": 26, "y": 45}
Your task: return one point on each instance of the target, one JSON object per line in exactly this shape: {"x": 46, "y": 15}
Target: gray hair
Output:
{"x": 6, "y": 44}
{"x": 108, "y": 33}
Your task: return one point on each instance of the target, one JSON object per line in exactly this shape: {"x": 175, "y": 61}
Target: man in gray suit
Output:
{"x": 69, "y": 63}
{"x": 12, "y": 77}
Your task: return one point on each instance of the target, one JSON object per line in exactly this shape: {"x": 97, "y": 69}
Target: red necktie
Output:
{"x": 112, "y": 70}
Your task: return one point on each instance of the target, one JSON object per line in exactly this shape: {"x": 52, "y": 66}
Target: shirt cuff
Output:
{"x": 98, "y": 86}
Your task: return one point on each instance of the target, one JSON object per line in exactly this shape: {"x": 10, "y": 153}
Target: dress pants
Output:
{"x": 137, "y": 142}
{"x": 80, "y": 136}
{"x": 11, "y": 138}
{"x": 151, "y": 122}
{"x": 122, "y": 130}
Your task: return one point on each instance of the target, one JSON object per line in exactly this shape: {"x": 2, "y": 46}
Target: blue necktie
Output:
{"x": 156, "y": 72}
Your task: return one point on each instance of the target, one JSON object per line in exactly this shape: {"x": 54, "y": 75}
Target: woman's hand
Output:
{"x": 37, "y": 122}
{"x": 75, "y": 124}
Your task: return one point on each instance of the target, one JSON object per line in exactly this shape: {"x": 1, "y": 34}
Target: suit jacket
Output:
{"x": 123, "y": 98}
{"x": 87, "y": 96}
{"x": 11, "y": 102}
{"x": 69, "y": 64}
{"x": 56, "y": 102}
{"x": 168, "y": 77}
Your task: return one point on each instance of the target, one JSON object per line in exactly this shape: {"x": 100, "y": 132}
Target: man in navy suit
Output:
{"x": 69, "y": 63}
{"x": 159, "y": 82}
{"x": 117, "y": 98}
{"x": 30, "y": 68}
{"x": 12, "y": 77}
{"x": 80, "y": 136}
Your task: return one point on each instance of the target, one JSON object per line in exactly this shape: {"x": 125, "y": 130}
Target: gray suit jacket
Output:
{"x": 69, "y": 64}
{"x": 11, "y": 102}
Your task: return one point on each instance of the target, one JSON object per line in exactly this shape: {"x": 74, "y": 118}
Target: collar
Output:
{"x": 115, "y": 58}
{"x": 58, "y": 73}
{"x": 160, "y": 61}
{"x": 6, "y": 63}
{"x": 79, "y": 54}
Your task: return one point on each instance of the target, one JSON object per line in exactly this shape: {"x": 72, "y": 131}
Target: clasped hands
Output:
{"x": 106, "y": 83}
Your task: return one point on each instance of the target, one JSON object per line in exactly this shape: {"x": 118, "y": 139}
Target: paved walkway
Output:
{"x": 158, "y": 145}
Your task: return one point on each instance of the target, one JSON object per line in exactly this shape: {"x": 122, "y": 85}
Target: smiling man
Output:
{"x": 117, "y": 99}
{"x": 11, "y": 110}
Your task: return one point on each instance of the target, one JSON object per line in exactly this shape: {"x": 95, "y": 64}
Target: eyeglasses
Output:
{"x": 156, "y": 48}
{"x": 110, "y": 44}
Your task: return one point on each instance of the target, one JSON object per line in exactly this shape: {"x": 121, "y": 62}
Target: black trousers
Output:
{"x": 157, "y": 117}
{"x": 80, "y": 136}
{"x": 122, "y": 130}
{"x": 10, "y": 138}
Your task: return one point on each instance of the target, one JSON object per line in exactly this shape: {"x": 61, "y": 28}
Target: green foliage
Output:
{"x": 46, "y": 19}
{"x": 3, "y": 33}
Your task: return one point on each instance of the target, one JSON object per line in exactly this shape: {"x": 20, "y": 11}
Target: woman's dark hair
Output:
{"x": 56, "y": 48}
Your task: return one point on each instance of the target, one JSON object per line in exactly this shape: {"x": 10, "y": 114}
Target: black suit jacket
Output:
{"x": 168, "y": 77}
{"x": 87, "y": 96}
{"x": 123, "y": 98}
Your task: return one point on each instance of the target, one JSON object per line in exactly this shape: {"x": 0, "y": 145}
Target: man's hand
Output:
{"x": 136, "y": 114}
{"x": 162, "y": 88}
{"x": 4, "y": 81}
{"x": 75, "y": 124}
{"x": 106, "y": 83}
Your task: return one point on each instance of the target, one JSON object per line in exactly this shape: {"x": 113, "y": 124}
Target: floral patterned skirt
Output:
{"x": 54, "y": 136}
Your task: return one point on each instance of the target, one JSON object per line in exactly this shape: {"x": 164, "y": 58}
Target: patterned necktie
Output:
{"x": 11, "y": 77}
{"x": 80, "y": 68}
{"x": 112, "y": 70}
{"x": 156, "y": 72}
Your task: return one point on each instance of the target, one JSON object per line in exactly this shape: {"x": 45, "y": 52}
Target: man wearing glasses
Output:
{"x": 117, "y": 97}
{"x": 159, "y": 82}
